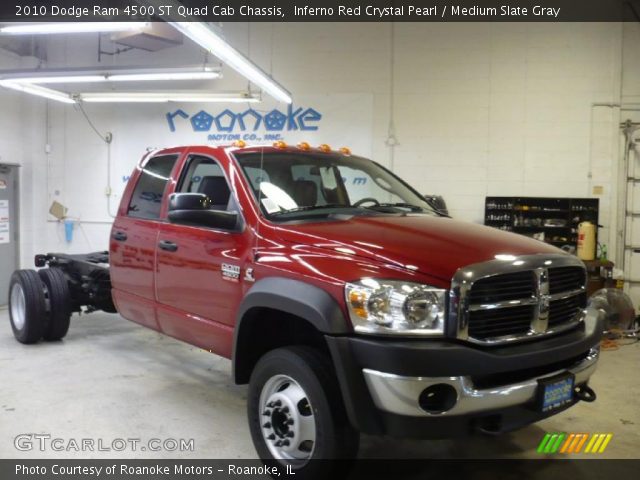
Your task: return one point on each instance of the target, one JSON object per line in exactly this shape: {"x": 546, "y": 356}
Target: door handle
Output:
{"x": 120, "y": 236}
{"x": 168, "y": 246}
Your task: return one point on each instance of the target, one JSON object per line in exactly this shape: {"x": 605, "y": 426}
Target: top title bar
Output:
{"x": 25, "y": 11}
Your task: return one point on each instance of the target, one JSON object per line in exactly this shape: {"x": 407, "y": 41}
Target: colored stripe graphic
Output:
{"x": 606, "y": 441}
{"x": 552, "y": 440}
{"x": 581, "y": 442}
{"x": 558, "y": 442}
{"x": 598, "y": 443}
{"x": 569, "y": 443}
{"x": 543, "y": 443}
{"x": 590, "y": 444}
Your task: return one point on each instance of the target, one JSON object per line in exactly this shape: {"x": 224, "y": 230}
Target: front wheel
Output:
{"x": 296, "y": 414}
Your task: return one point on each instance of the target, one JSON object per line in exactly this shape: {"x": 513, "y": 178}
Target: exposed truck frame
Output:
{"x": 87, "y": 276}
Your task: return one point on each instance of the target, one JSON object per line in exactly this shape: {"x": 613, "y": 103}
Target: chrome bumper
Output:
{"x": 399, "y": 395}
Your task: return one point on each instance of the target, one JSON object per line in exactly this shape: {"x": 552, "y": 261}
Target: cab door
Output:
{"x": 133, "y": 241}
{"x": 200, "y": 271}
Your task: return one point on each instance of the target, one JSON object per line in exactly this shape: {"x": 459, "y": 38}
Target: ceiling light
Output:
{"x": 204, "y": 36}
{"x": 162, "y": 97}
{"x": 115, "y": 74}
{"x": 118, "y": 77}
{"x": 39, "y": 28}
{"x": 38, "y": 91}
{"x": 60, "y": 79}
{"x": 135, "y": 77}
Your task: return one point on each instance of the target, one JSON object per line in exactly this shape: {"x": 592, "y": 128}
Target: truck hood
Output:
{"x": 435, "y": 246}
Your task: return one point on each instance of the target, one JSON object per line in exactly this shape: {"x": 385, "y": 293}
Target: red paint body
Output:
{"x": 184, "y": 295}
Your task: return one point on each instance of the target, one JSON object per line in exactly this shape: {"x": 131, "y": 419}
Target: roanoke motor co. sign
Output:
{"x": 248, "y": 124}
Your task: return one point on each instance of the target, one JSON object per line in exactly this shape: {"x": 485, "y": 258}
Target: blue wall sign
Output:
{"x": 230, "y": 125}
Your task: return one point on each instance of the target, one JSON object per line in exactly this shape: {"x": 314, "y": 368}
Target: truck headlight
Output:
{"x": 396, "y": 307}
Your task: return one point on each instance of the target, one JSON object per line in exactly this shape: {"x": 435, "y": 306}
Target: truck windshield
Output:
{"x": 291, "y": 185}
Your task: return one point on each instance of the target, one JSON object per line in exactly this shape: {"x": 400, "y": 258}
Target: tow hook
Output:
{"x": 585, "y": 393}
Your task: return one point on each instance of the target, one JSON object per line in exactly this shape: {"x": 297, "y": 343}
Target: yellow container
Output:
{"x": 586, "y": 241}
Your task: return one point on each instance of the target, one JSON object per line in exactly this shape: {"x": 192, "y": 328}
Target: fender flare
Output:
{"x": 295, "y": 297}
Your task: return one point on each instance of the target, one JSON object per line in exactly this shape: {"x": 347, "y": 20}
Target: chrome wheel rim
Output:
{"x": 287, "y": 421}
{"x": 17, "y": 306}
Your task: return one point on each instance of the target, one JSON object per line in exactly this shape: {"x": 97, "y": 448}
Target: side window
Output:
{"x": 204, "y": 175}
{"x": 147, "y": 196}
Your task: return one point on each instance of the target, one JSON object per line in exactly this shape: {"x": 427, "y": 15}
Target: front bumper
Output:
{"x": 398, "y": 394}
{"x": 495, "y": 387}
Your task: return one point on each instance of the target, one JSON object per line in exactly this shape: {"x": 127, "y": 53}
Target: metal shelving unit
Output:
{"x": 552, "y": 220}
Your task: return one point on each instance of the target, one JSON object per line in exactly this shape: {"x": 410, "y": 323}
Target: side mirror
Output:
{"x": 194, "y": 209}
{"x": 437, "y": 202}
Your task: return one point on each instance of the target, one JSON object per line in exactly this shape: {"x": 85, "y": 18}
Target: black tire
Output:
{"x": 57, "y": 290}
{"x": 27, "y": 311}
{"x": 336, "y": 441}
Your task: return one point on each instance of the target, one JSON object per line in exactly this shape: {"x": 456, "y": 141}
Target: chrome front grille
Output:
{"x": 562, "y": 311}
{"x": 502, "y": 288}
{"x": 518, "y": 298}
{"x": 565, "y": 279}
{"x": 500, "y": 321}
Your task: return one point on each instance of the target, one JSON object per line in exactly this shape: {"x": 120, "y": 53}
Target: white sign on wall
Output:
{"x": 5, "y": 226}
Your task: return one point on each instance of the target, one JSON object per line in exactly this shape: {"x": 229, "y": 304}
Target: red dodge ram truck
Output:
{"x": 343, "y": 297}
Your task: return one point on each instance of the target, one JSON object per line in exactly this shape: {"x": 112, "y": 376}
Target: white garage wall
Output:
{"x": 10, "y": 120}
{"x": 479, "y": 109}
{"x": 19, "y": 125}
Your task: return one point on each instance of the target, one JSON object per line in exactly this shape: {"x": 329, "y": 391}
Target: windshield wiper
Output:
{"x": 308, "y": 208}
{"x": 413, "y": 208}
{"x": 410, "y": 206}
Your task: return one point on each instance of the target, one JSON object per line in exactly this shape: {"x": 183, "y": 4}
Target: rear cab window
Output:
{"x": 146, "y": 200}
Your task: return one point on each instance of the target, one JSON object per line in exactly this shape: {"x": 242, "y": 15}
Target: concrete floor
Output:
{"x": 112, "y": 379}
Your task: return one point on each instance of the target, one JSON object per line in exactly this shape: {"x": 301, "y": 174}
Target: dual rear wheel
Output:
{"x": 39, "y": 305}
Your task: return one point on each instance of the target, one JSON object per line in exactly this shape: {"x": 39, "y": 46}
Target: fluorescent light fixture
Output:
{"x": 148, "y": 77}
{"x": 41, "y": 28}
{"x": 118, "y": 77}
{"x": 59, "y": 79}
{"x": 38, "y": 91}
{"x": 204, "y": 36}
{"x": 114, "y": 74}
{"x": 162, "y": 97}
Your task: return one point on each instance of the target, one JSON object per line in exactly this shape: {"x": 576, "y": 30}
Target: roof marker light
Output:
{"x": 280, "y": 144}
{"x": 239, "y": 144}
{"x": 304, "y": 146}
{"x": 345, "y": 150}
{"x": 324, "y": 148}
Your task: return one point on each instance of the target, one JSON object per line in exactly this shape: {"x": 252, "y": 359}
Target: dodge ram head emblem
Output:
{"x": 540, "y": 321}
{"x": 230, "y": 272}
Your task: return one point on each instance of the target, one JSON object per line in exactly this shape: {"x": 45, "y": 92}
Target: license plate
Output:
{"x": 555, "y": 392}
